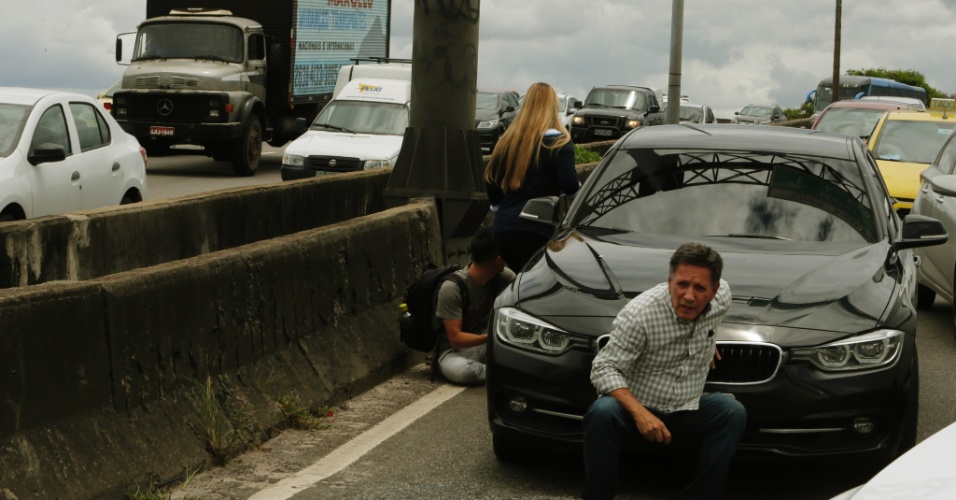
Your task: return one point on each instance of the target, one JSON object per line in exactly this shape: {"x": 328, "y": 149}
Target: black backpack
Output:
{"x": 417, "y": 329}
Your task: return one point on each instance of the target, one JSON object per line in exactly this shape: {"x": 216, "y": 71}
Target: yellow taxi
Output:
{"x": 904, "y": 143}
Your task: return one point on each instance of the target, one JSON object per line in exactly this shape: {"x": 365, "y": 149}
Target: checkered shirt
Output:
{"x": 662, "y": 359}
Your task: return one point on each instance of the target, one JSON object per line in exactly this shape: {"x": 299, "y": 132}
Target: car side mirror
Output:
{"x": 47, "y": 153}
{"x": 944, "y": 185}
{"x": 543, "y": 210}
{"x": 921, "y": 231}
{"x": 653, "y": 108}
{"x": 300, "y": 126}
{"x": 736, "y": 112}
{"x": 509, "y": 109}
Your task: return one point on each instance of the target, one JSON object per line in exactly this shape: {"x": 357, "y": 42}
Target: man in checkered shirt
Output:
{"x": 650, "y": 379}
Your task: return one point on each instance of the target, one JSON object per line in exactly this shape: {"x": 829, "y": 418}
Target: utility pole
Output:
{"x": 677, "y": 47}
{"x": 836, "y": 52}
{"x": 441, "y": 152}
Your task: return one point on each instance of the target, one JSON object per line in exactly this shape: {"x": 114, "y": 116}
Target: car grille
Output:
{"x": 745, "y": 363}
{"x": 335, "y": 163}
{"x": 182, "y": 107}
{"x": 604, "y": 121}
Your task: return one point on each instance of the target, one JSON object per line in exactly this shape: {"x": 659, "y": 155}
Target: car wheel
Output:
{"x": 7, "y": 217}
{"x": 248, "y": 149}
{"x": 510, "y": 450}
{"x": 925, "y": 297}
{"x": 953, "y": 310}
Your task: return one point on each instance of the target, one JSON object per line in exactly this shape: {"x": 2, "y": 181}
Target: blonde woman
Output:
{"x": 534, "y": 157}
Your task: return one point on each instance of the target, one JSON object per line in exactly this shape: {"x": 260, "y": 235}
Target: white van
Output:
{"x": 360, "y": 128}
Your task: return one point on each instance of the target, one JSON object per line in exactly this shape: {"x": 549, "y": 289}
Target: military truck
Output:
{"x": 228, "y": 76}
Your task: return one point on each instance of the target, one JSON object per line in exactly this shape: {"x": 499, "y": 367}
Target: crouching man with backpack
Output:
{"x": 465, "y": 300}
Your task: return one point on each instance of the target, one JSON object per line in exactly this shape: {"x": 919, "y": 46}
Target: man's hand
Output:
{"x": 651, "y": 427}
{"x": 716, "y": 358}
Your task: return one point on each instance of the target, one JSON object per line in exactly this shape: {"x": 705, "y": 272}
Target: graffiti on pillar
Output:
{"x": 454, "y": 59}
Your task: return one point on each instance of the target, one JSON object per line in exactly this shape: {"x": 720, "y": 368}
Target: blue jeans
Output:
{"x": 713, "y": 430}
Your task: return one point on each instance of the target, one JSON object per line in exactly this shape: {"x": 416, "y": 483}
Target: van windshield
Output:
{"x": 363, "y": 117}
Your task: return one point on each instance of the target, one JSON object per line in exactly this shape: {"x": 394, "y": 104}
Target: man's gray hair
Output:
{"x": 696, "y": 254}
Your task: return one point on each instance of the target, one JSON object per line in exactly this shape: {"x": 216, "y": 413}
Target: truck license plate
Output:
{"x": 601, "y": 131}
{"x": 154, "y": 130}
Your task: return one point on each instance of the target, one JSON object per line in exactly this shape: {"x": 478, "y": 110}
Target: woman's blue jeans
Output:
{"x": 713, "y": 430}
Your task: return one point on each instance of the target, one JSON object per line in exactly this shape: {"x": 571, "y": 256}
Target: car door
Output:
{"x": 939, "y": 261}
{"x": 54, "y": 185}
{"x": 98, "y": 163}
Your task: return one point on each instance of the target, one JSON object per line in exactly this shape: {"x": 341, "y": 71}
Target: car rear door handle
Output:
{"x": 940, "y": 199}
{"x": 75, "y": 177}
{"x": 116, "y": 167}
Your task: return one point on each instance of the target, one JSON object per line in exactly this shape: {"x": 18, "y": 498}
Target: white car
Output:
{"x": 62, "y": 152}
{"x": 925, "y": 471}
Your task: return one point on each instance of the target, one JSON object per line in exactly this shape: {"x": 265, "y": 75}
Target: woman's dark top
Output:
{"x": 552, "y": 175}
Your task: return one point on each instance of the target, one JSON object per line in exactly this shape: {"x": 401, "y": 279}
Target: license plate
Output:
{"x": 604, "y": 132}
{"x": 154, "y": 130}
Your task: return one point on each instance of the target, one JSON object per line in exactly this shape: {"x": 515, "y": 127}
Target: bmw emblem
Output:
{"x": 332, "y": 163}
{"x": 164, "y": 107}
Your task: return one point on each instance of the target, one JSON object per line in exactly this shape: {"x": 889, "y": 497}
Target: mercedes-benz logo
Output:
{"x": 164, "y": 107}
{"x": 332, "y": 162}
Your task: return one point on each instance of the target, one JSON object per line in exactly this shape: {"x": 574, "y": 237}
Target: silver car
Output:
{"x": 937, "y": 198}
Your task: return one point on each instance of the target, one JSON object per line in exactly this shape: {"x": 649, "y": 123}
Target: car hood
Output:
{"x": 485, "y": 114}
{"x": 752, "y": 119}
{"x": 361, "y": 146}
{"x": 901, "y": 178}
{"x": 773, "y": 291}
{"x": 197, "y": 74}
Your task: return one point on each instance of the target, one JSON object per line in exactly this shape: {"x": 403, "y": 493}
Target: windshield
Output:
{"x": 856, "y": 122}
{"x": 189, "y": 41}
{"x": 824, "y": 95}
{"x": 12, "y": 119}
{"x": 728, "y": 193}
{"x": 756, "y": 111}
{"x": 363, "y": 117}
{"x": 486, "y": 100}
{"x": 614, "y": 98}
{"x": 912, "y": 141}
{"x": 691, "y": 114}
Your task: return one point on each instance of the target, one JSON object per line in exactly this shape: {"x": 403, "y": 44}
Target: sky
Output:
{"x": 735, "y": 52}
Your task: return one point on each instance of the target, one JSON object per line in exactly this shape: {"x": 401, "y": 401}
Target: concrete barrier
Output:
{"x": 103, "y": 382}
{"x": 90, "y": 244}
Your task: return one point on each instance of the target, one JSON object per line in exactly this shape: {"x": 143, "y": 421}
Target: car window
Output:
{"x": 947, "y": 157}
{"x": 731, "y": 193}
{"x": 51, "y": 129}
{"x": 89, "y": 126}
{"x": 511, "y": 100}
{"x": 486, "y": 100}
{"x": 710, "y": 116}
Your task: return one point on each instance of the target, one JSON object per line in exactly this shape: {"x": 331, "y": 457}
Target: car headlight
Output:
{"x": 577, "y": 120}
{"x": 527, "y": 332}
{"x": 488, "y": 123}
{"x": 379, "y": 163}
{"x": 633, "y": 124}
{"x": 873, "y": 350}
{"x": 293, "y": 160}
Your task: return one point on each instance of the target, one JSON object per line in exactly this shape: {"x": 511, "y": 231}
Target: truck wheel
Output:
{"x": 248, "y": 149}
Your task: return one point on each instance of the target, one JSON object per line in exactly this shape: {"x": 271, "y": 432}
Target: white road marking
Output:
{"x": 344, "y": 455}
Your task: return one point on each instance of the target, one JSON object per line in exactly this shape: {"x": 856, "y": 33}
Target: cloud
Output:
{"x": 734, "y": 51}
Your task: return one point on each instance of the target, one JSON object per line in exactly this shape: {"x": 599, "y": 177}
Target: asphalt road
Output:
{"x": 183, "y": 175}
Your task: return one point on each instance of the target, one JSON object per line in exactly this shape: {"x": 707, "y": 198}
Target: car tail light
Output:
{"x": 142, "y": 151}
{"x": 107, "y": 105}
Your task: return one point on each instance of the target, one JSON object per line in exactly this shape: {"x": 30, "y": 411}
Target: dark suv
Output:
{"x": 494, "y": 111}
{"x": 613, "y": 110}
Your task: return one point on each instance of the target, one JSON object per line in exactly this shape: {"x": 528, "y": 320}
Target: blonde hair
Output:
{"x": 519, "y": 145}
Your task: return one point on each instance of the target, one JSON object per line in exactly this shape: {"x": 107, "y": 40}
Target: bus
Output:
{"x": 855, "y": 87}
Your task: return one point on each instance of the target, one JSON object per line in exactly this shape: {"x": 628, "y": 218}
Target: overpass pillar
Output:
{"x": 441, "y": 152}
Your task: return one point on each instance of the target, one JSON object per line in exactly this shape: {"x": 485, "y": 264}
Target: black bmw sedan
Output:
{"x": 819, "y": 343}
